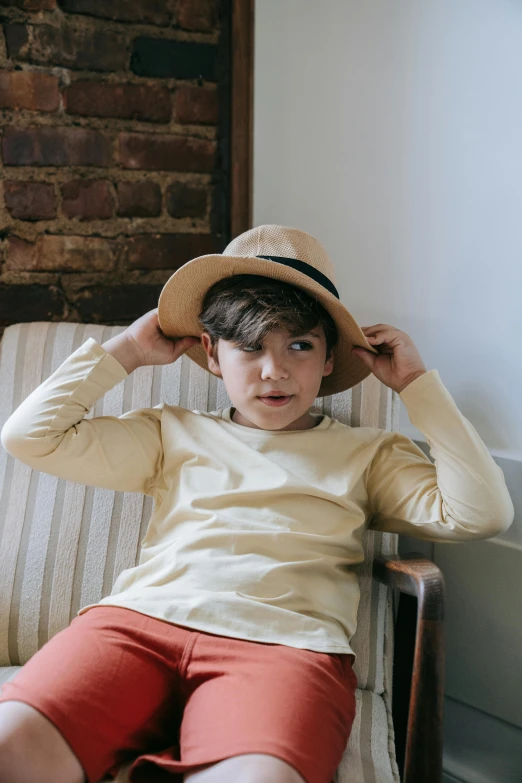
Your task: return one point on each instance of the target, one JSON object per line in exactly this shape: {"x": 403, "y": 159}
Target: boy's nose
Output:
{"x": 274, "y": 370}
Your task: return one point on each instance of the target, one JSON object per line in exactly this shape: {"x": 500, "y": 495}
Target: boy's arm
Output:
{"x": 462, "y": 496}
{"x": 49, "y": 433}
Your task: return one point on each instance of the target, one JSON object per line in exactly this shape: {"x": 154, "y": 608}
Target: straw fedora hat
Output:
{"x": 279, "y": 252}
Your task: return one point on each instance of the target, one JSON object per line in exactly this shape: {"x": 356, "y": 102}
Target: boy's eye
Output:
{"x": 252, "y": 349}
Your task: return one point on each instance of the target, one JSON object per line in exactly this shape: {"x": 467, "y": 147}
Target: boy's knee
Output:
{"x": 32, "y": 749}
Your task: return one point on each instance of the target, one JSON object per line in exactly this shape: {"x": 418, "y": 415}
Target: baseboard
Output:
{"x": 447, "y": 778}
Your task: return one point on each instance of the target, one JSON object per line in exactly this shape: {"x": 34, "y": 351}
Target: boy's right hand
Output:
{"x": 144, "y": 343}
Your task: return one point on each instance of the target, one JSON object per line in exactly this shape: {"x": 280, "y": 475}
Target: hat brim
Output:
{"x": 181, "y": 298}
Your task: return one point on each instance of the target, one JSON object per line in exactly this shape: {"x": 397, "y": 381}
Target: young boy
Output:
{"x": 234, "y": 629}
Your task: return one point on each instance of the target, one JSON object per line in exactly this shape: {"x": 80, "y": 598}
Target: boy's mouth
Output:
{"x": 276, "y": 401}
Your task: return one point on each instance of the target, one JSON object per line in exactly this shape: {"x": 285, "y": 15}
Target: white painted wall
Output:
{"x": 392, "y": 132}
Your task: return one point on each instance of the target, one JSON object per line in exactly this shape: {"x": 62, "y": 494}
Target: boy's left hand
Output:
{"x": 399, "y": 362}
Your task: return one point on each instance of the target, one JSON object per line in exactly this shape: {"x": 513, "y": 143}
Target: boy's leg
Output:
{"x": 109, "y": 684}
{"x": 32, "y": 749}
{"x": 251, "y": 766}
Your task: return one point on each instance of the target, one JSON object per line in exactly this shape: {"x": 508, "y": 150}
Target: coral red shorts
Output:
{"x": 121, "y": 686}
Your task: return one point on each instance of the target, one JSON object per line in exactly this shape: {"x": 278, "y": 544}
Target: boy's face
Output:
{"x": 291, "y": 365}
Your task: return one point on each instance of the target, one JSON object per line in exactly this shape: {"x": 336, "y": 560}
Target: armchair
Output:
{"x": 62, "y": 545}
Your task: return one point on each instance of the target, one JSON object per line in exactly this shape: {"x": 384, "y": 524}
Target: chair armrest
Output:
{"x": 418, "y": 668}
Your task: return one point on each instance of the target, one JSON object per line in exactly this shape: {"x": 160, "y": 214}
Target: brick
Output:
{"x": 196, "y": 105}
{"x": 116, "y": 304}
{"x": 168, "y": 251}
{"x": 52, "y": 253}
{"x": 30, "y": 200}
{"x": 16, "y": 38}
{"x": 29, "y": 90}
{"x": 161, "y": 152}
{"x": 197, "y": 14}
{"x": 139, "y": 199}
{"x": 31, "y": 5}
{"x": 145, "y": 11}
{"x": 161, "y": 58}
{"x": 147, "y": 102}
{"x": 184, "y": 201}
{"x": 56, "y": 147}
{"x": 87, "y": 48}
{"x": 32, "y": 302}
{"x": 87, "y": 199}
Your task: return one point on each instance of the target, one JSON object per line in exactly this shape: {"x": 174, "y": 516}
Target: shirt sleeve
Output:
{"x": 462, "y": 496}
{"x": 49, "y": 433}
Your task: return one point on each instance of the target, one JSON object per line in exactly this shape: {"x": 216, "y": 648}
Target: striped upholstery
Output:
{"x": 62, "y": 544}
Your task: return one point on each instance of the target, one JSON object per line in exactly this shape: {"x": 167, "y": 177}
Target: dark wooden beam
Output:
{"x": 242, "y": 116}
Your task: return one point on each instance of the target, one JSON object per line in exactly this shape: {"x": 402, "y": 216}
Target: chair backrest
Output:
{"x": 62, "y": 544}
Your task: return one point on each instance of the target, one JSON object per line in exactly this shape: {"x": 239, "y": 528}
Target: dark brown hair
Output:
{"x": 244, "y": 308}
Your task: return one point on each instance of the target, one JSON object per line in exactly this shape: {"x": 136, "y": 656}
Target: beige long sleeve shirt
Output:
{"x": 255, "y": 534}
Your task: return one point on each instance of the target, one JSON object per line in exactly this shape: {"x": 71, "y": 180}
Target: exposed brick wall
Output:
{"x": 114, "y": 164}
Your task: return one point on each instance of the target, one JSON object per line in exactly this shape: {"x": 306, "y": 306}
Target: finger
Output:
{"x": 182, "y": 346}
{"x": 379, "y": 328}
{"x": 380, "y": 344}
{"x": 383, "y": 335}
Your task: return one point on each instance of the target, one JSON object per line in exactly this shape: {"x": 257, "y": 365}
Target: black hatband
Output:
{"x": 306, "y": 269}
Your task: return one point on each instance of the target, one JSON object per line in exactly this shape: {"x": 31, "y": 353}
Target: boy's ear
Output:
{"x": 329, "y": 364}
{"x": 213, "y": 366}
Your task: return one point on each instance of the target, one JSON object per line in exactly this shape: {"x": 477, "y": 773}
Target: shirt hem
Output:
{"x": 332, "y": 648}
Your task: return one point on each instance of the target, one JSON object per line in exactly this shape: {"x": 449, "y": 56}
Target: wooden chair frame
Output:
{"x": 418, "y": 664}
